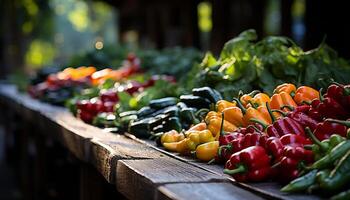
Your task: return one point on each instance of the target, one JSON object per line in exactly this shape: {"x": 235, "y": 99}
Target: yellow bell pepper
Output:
{"x": 233, "y": 115}
{"x": 179, "y": 147}
{"x": 214, "y": 125}
{"x": 207, "y": 151}
{"x": 200, "y": 137}
{"x": 171, "y": 136}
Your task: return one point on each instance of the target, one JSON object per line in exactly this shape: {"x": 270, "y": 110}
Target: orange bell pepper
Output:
{"x": 282, "y": 99}
{"x": 246, "y": 98}
{"x": 234, "y": 115}
{"x": 260, "y": 113}
{"x": 305, "y": 94}
{"x": 260, "y": 99}
{"x": 285, "y": 87}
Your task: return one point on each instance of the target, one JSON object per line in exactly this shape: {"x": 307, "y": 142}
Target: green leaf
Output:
{"x": 208, "y": 60}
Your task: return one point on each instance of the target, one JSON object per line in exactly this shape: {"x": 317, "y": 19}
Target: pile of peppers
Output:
{"x": 259, "y": 137}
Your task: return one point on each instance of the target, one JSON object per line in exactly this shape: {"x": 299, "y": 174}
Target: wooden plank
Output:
{"x": 105, "y": 152}
{"x": 203, "y": 191}
{"x": 139, "y": 179}
{"x": 266, "y": 189}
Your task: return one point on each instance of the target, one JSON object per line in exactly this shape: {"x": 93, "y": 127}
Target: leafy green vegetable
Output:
{"x": 246, "y": 64}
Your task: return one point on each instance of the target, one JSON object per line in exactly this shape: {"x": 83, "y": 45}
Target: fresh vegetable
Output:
{"x": 336, "y": 153}
{"x": 285, "y": 87}
{"x": 282, "y": 99}
{"x": 305, "y": 94}
{"x": 302, "y": 183}
{"x": 339, "y": 176}
{"x": 207, "y": 151}
{"x": 250, "y": 164}
{"x": 261, "y": 113}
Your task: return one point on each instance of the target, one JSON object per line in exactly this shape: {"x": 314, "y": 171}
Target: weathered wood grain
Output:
{"x": 105, "y": 152}
{"x": 139, "y": 179}
{"x": 203, "y": 191}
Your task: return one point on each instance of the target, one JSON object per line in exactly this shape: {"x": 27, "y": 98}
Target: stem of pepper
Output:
{"x": 309, "y": 133}
{"x": 239, "y": 104}
{"x": 342, "y": 122}
{"x": 273, "y": 118}
{"x": 280, "y": 112}
{"x": 222, "y": 124}
{"x": 259, "y": 122}
{"x": 199, "y": 112}
{"x": 211, "y": 161}
{"x": 289, "y": 107}
{"x": 195, "y": 120}
{"x": 254, "y": 127}
{"x": 321, "y": 96}
{"x": 239, "y": 169}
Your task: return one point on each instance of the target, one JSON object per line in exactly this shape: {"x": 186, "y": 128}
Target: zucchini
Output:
{"x": 145, "y": 111}
{"x": 206, "y": 92}
{"x": 163, "y": 102}
{"x": 195, "y": 101}
{"x": 140, "y": 128}
{"x": 181, "y": 105}
{"x": 188, "y": 115}
{"x": 173, "y": 123}
{"x": 127, "y": 113}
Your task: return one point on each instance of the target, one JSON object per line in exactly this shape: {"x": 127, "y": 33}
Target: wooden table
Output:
{"x": 137, "y": 169}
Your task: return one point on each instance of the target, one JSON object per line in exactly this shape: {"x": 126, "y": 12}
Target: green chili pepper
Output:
{"x": 336, "y": 153}
{"x": 334, "y": 140}
{"x": 301, "y": 183}
{"x": 339, "y": 176}
{"x": 342, "y": 196}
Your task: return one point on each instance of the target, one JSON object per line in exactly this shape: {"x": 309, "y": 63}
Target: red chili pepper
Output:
{"x": 250, "y": 164}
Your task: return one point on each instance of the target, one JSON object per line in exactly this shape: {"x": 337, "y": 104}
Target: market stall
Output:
{"x": 265, "y": 119}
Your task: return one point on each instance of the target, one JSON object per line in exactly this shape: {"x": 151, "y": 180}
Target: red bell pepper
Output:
{"x": 250, "y": 164}
{"x": 325, "y": 129}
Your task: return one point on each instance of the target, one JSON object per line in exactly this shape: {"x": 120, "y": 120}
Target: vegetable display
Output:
{"x": 265, "y": 110}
